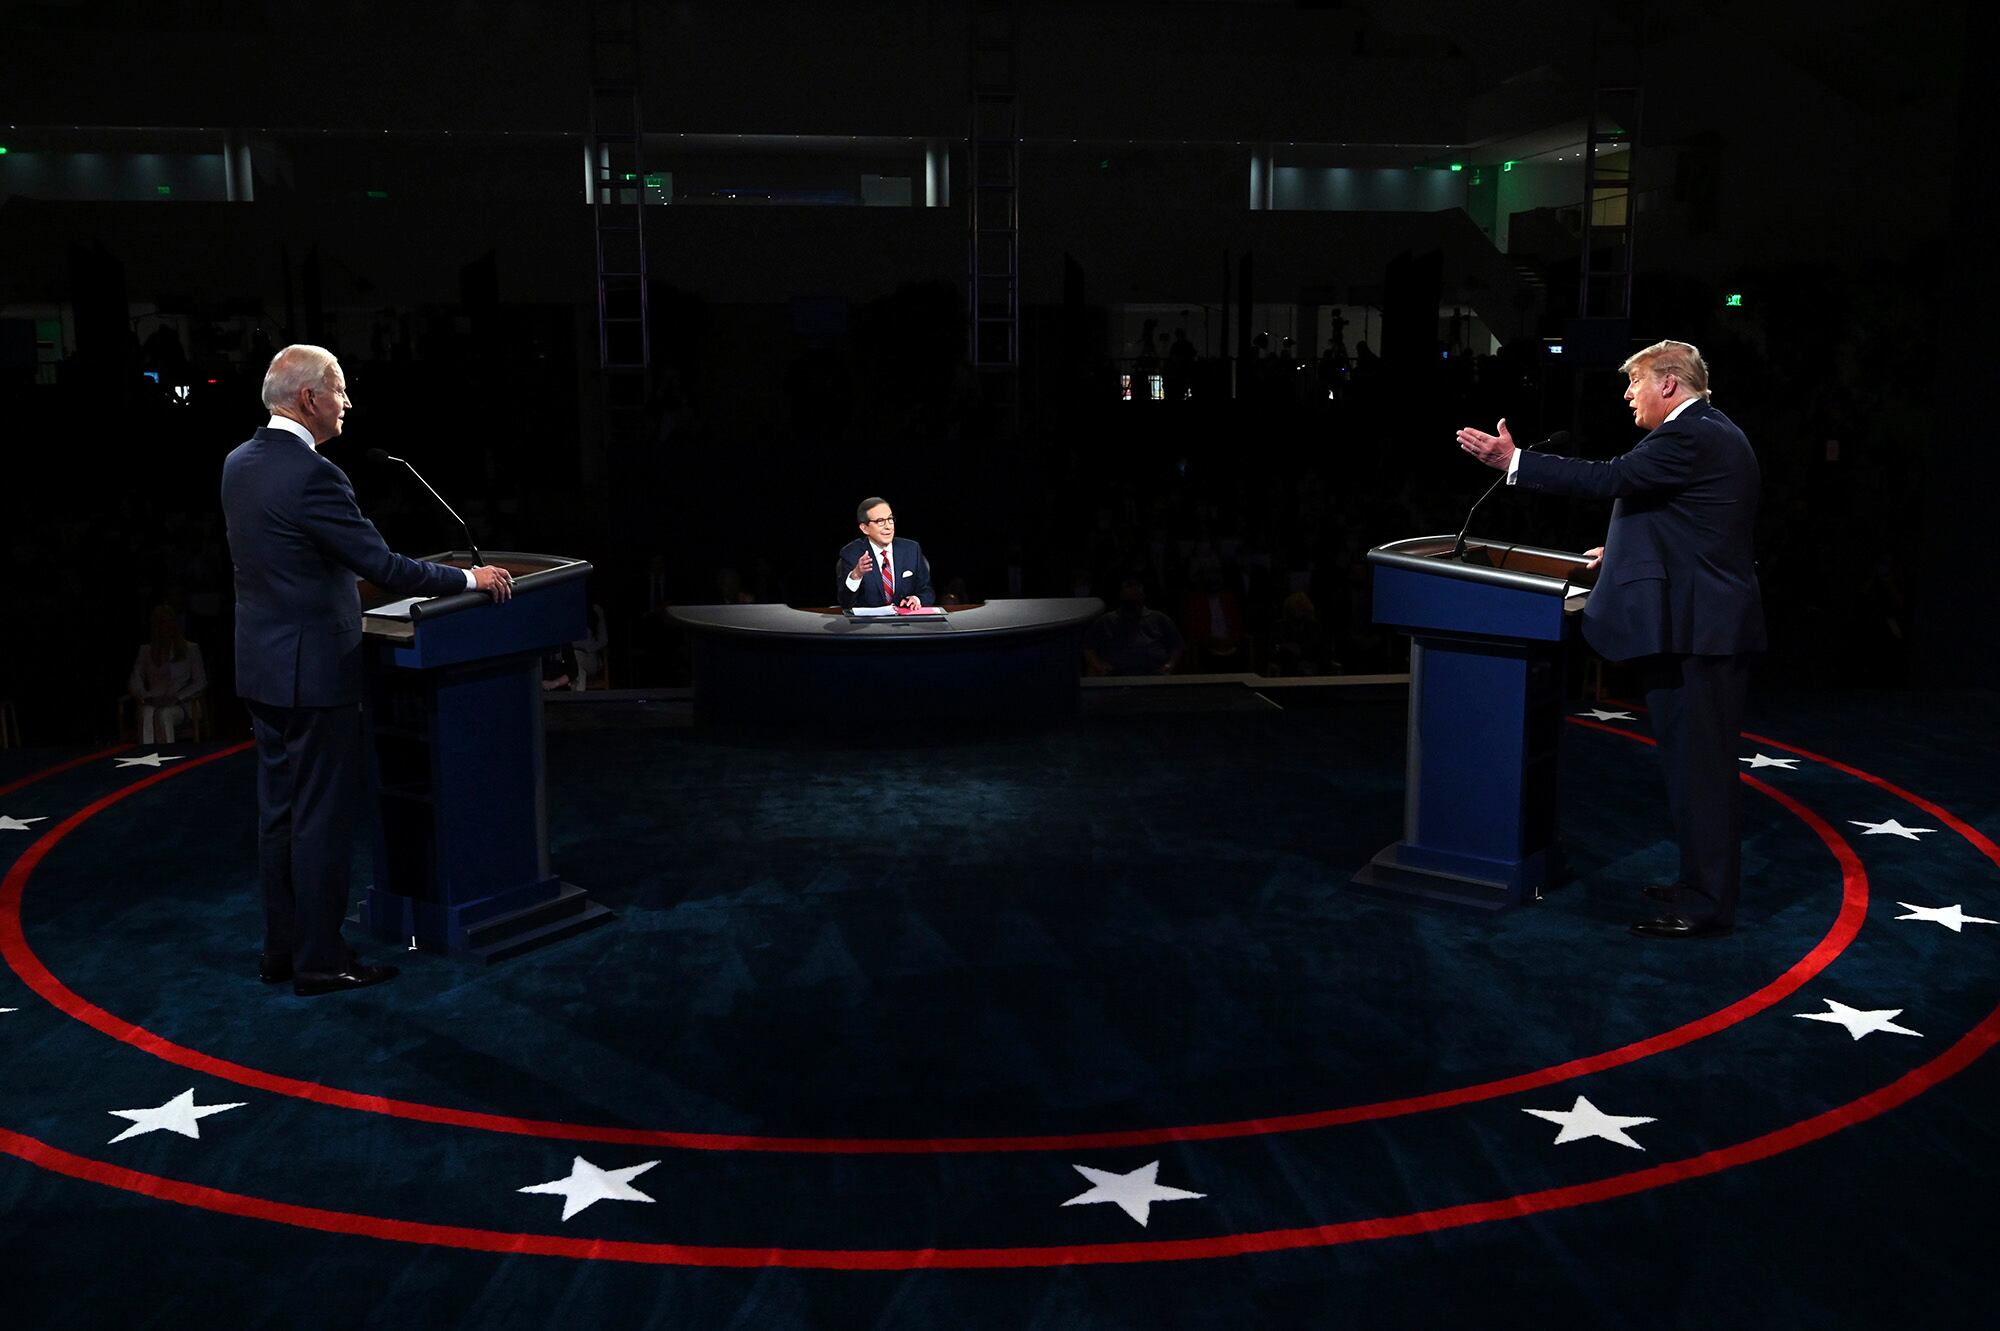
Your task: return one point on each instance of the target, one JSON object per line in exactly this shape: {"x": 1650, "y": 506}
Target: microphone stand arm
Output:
{"x": 477, "y": 558}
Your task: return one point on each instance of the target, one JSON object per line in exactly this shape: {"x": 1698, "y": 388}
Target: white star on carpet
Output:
{"x": 9, "y": 1009}
{"x": 1584, "y": 1120}
{"x": 1953, "y": 917}
{"x": 151, "y": 760}
{"x": 1891, "y": 828}
{"x": 1859, "y": 1023}
{"x": 588, "y": 1185}
{"x": 18, "y": 824}
{"x": 1132, "y": 1193}
{"x": 1600, "y": 714}
{"x": 180, "y": 1114}
{"x": 1789, "y": 764}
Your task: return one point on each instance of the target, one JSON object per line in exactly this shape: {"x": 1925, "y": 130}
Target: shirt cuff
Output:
{"x": 854, "y": 584}
{"x": 1513, "y": 465}
{"x": 471, "y": 581}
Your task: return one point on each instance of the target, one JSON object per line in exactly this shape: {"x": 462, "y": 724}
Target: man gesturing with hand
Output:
{"x": 880, "y": 568}
{"x": 1677, "y": 597}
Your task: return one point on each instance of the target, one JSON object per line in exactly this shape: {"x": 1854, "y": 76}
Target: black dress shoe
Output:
{"x": 274, "y": 970}
{"x": 1680, "y": 926}
{"x": 306, "y": 984}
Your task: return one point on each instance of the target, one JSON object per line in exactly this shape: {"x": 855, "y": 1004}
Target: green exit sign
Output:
{"x": 1733, "y": 299}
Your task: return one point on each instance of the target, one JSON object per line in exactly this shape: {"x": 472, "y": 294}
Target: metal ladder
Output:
{"x": 993, "y": 205}
{"x": 615, "y": 172}
{"x": 1610, "y": 208}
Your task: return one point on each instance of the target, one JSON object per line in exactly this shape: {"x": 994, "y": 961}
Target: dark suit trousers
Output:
{"x": 1697, "y": 710}
{"x": 309, "y": 795}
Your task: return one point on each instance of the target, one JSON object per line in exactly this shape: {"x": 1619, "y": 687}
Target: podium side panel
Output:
{"x": 528, "y": 623}
{"x": 488, "y": 788}
{"x": 1416, "y": 602}
{"x": 1467, "y": 753}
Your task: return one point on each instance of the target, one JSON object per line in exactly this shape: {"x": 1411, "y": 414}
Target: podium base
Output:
{"x": 569, "y": 913}
{"x": 1408, "y": 871}
{"x": 494, "y": 929}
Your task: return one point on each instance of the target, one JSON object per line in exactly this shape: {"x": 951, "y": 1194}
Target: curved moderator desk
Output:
{"x": 775, "y": 663}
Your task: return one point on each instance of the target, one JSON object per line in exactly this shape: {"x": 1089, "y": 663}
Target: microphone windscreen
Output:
{"x": 378, "y": 455}
{"x": 1556, "y": 442}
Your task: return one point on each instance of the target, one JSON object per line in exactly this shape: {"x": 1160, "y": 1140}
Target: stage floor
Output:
{"x": 1087, "y": 1007}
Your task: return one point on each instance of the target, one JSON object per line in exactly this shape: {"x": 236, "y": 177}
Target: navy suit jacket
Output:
{"x": 1679, "y": 572}
{"x": 906, "y": 561}
{"x": 298, "y": 542}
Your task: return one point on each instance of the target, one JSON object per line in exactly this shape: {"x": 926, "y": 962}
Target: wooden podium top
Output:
{"x": 1527, "y": 567}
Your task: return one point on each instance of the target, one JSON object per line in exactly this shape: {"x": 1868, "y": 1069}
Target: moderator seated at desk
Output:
{"x": 773, "y": 663}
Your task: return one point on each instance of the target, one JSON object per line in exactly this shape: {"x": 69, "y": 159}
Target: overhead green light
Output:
{"x": 656, "y": 180}
{"x": 3, "y": 150}
{"x": 1507, "y": 166}
{"x": 378, "y": 194}
{"x": 164, "y": 189}
{"x": 1734, "y": 298}
{"x": 1458, "y": 166}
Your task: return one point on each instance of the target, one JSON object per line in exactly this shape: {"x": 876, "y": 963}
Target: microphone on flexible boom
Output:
{"x": 380, "y": 455}
{"x": 1557, "y": 440}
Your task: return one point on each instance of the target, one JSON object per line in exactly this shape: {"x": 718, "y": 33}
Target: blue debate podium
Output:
{"x": 460, "y": 835}
{"x": 1487, "y": 633}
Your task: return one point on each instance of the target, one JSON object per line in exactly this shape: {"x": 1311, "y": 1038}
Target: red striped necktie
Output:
{"x": 888, "y": 579}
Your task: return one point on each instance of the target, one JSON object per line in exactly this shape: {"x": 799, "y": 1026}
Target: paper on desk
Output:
{"x": 396, "y": 609}
{"x": 873, "y": 611}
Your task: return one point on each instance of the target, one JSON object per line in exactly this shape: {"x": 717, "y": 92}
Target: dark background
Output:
{"x": 419, "y": 208}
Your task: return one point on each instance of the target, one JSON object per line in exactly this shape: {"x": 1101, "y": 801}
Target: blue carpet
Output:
{"x": 1132, "y": 929}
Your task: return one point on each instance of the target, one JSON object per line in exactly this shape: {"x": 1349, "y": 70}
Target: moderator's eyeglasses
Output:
{"x": 889, "y": 521}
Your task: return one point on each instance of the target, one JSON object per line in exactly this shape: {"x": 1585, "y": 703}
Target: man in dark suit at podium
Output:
{"x": 1677, "y": 596}
{"x": 879, "y": 568}
{"x": 298, "y": 542}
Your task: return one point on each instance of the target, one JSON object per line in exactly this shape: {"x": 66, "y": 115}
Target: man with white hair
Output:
{"x": 1678, "y": 598}
{"x": 299, "y": 542}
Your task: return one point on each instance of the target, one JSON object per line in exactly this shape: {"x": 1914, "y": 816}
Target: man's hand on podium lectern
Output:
{"x": 494, "y": 581}
{"x": 1596, "y": 553}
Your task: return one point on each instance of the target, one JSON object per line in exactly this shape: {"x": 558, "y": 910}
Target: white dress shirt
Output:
{"x": 881, "y": 562}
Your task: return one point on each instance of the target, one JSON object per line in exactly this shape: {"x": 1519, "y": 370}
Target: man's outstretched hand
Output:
{"x": 1495, "y": 450}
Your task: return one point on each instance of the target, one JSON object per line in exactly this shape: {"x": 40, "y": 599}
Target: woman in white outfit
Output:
{"x": 166, "y": 678}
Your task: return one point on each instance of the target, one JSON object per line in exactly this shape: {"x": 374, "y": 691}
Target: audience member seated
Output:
{"x": 559, "y": 668}
{"x": 729, "y": 588}
{"x": 1213, "y": 623}
{"x": 167, "y": 679}
{"x": 592, "y": 660}
{"x": 1300, "y": 645}
{"x": 1132, "y": 639}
